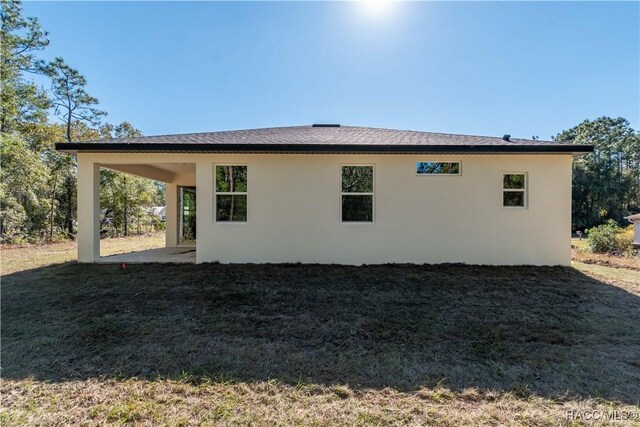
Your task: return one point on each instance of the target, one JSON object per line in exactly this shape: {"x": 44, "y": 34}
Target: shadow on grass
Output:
{"x": 549, "y": 331}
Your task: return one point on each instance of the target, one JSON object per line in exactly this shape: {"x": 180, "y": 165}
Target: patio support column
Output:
{"x": 172, "y": 215}
{"x": 204, "y": 210}
{"x": 88, "y": 209}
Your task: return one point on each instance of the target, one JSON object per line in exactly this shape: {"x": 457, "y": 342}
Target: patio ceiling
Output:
{"x": 172, "y": 173}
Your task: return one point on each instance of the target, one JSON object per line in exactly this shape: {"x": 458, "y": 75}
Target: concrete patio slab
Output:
{"x": 182, "y": 254}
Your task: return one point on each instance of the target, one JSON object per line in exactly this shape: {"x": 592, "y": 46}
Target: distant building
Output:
{"x": 635, "y": 219}
{"x": 160, "y": 211}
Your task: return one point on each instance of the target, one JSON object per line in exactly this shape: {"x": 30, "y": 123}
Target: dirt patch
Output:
{"x": 629, "y": 262}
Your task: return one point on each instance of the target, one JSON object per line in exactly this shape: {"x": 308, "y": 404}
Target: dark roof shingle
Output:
{"x": 320, "y": 139}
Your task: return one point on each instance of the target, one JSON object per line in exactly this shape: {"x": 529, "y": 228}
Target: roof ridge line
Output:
{"x": 194, "y": 133}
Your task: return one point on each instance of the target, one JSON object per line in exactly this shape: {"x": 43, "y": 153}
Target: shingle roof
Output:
{"x": 321, "y": 139}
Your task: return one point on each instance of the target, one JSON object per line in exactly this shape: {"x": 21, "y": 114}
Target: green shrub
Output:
{"x": 609, "y": 238}
{"x": 157, "y": 224}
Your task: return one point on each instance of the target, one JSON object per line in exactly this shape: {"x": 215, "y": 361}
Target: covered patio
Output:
{"x": 180, "y": 219}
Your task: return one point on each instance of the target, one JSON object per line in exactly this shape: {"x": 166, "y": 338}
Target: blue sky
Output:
{"x": 477, "y": 68}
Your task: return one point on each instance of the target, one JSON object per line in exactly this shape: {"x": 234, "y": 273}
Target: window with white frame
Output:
{"x": 357, "y": 193}
{"x": 231, "y": 193}
{"x": 514, "y": 190}
{"x": 438, "y": 168}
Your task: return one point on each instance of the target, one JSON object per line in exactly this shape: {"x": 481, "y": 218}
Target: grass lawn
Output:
{"x": 310, "y": 344}
{"x": 20, "y": 258}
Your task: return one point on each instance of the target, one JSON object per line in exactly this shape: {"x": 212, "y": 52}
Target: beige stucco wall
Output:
{"x": 294, "y": 210}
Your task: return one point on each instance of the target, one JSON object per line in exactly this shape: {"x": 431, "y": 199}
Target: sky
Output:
{"x": 490, "y": 68}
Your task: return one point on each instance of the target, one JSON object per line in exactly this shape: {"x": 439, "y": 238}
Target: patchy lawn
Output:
{"x": 18, "y": 258}
{"x": 582, "y": 255}
{"x": 311, "y": 344}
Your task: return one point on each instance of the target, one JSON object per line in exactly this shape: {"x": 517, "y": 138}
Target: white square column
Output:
{"x": 204, "y": 210}
{"x": 88, "y": 210}
{"x": 172, "y": 215}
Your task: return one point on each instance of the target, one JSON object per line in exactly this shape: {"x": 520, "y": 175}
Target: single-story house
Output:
{"x": 343, "y": 194}
{"x": 159, "y": 211}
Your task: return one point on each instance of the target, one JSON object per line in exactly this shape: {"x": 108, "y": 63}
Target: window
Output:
{"x": 231, "y": 193}
{"x": 438, "y": 168}
{"x": 357, "y": 193}
{"x": 514, "y": 187}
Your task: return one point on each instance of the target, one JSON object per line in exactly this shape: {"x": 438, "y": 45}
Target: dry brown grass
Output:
{"x": 170, "y": 402}
{"x": 324, "y": 345}
{"x": 25, "y": 257}
{"x": 582, "y": 255}
{"x": 620, "y": 271}
{"x": 629, "y": 262}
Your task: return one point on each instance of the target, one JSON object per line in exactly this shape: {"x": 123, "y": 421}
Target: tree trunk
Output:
{"x": 230, "y": 168}
{"x": 3, "y": 121}
{"x": 69, "y": 127}
{"x": 126, "y": 207}
{"x": 53, "y": 202}
{"x": 69, "y": 213}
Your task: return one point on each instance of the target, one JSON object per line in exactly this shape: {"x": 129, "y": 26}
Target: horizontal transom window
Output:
{"x": 438, "y": 168}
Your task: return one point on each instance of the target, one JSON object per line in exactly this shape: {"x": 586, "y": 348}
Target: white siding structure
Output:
{"x": 294, "y": 202}
{"x": 635, "y": 219}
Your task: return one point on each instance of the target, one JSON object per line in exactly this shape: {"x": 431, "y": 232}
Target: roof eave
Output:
{"x": 118, "y": 147}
